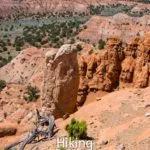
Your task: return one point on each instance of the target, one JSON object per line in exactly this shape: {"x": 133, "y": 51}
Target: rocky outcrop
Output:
{"x": 61, "y": 81}
{"x": 100, "y": 71}
{"x": 115, "y": 66}
{"x": 136, "y": 65}
{"x": 128, "y": 64}
{"x": 65, "y": 76}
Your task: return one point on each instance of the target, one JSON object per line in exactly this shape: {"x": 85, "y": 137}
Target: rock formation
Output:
{"x": 136, "y": 65}
{"x": 61, "y": 81}
{"x": 115, "y": 66}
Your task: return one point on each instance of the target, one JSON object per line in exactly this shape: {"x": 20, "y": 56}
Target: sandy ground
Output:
{"x": 118, "y": 119}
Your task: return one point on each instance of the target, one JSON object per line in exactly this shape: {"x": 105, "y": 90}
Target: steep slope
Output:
{"x": 27, "y": 67}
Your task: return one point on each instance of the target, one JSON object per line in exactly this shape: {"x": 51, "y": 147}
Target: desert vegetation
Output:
{"x": 2, "y": 84}
{"x": 101, "y": 44}
{"x": 77, "y": 129}
{"x": 62, "y": 148}
{"x": 143, "y": 1}
{"x": 54, "y": 34}
{"x": 4, "y": 61}
{"x": 38, "y": 32}
{"x": 31, "y": 94}
{"x": 52, "y": 79}
{"x": 112, "y": 9}
{"x": 22, "y": 29}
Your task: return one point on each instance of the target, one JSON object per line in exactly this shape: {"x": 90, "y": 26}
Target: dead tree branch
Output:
{"x": 44, "y": 128}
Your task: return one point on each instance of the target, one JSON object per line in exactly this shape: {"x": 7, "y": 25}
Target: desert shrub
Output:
{"x": 11, "y": 28}
{"x": 31, "y": 94}
{"x": 6, "y": 29}
{"x": 9, "y": 59}
{"x": 77, "y": 129}
{"x": 5, "y": 48}
{"x": 19, "y": 42}
{"x": 4, "y": 61}
{"x": 2, "y": 43}
{"x": 2, "y": 84}
{"x": 72, "y": 41}
{"x": 79, "y": 47}
{"x": 101, "y": 44}
{"x": 18, "y": 48}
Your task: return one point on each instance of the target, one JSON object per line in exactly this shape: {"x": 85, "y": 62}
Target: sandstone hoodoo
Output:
{"x": 136, "y": 65}
{"x": 61, "y": 81}
{"x": 116, "y": 66}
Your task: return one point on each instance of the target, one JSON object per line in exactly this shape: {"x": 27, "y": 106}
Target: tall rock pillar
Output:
{"x": 61, "y": 81}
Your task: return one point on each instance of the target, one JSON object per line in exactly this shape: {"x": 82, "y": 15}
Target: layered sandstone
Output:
{"x": 120, "y": 25}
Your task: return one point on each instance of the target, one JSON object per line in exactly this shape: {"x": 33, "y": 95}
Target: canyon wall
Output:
{"x": 64, "y": 74}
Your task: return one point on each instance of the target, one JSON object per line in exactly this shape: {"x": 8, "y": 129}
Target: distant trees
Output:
{"x": 11, "y": 28}
{"x": 110, "y": 9}
{"x": 18, "y": 43}
{"x": 79, "y": 47}
{"x": 144, "y": 1}
{"x": 4, "y": 61}
{"x": 55, "y": 33}
{"x": 3, "y": 48}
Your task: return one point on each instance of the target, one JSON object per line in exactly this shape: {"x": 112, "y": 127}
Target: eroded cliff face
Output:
{"x": 61, "y": 81}
{"x": 65, "y": 76}
{"x": 117, "y": 66}
{"x": 136, "y": 65}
